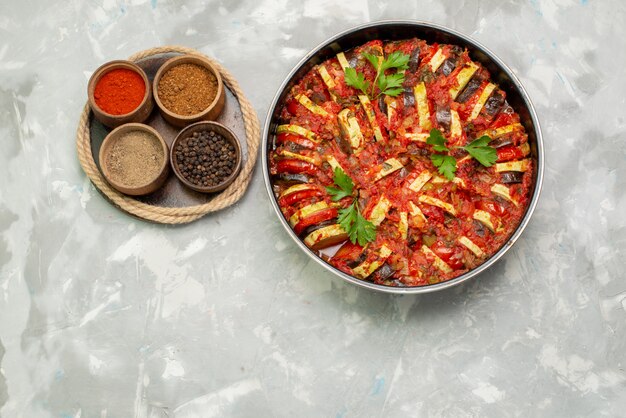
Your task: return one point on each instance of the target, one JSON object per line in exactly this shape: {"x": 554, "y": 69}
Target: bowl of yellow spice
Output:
{"x": 188, "y": 89}
{"x": 134, "y": 159}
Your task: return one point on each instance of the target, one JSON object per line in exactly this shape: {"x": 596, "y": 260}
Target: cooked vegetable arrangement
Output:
{"x": 401, "y": 162}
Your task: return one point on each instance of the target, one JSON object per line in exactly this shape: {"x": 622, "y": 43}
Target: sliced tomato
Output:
{"x": 295, "y": 166}
{"x": 433, "y": 213}
{"x": 296, "y": 139}
{"x": 292, "y": 106}
{"x": 491, "y": 206}
{"x": 452, "y": 256}
{"x": 314, "y": 219}
{"x": 509, "y": 153}
{"x": 292, "y": 198}
{"x": 348, "y": 252}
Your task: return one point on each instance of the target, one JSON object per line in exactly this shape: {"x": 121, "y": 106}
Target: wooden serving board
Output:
{"x": 173, "y": 193}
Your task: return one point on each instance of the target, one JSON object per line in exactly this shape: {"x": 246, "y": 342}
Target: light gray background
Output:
{"x": 102, "y": 315}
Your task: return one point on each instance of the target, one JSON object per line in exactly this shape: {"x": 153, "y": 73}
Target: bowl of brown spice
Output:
{"x": 134, "y": 159}
{"x": 188, "y": 89}
{"x": 206, "y": 157}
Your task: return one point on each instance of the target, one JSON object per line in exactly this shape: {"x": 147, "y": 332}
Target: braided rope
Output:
{"x": 167, "y": 215}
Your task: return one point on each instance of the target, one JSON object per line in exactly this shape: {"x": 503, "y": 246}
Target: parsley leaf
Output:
{"x": 356, "y": 80}
{"x": 482, "y": 152}
{"x": 350, "y": 218}
{"x": 390, "y": 82}
{"x": 345, "y": 184}
{"x": 396, "y": 60}
{"x": 446, "y": 165}
{"x": 358, "y": 228}
{"x": 373, "y": 59}
{"x": 437, "y": 140}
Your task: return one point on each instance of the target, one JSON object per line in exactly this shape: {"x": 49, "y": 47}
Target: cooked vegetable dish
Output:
{"x": 401, "y": 162}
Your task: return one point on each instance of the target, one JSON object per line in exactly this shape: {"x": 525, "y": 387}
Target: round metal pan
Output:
{"x": 396, "y": 30}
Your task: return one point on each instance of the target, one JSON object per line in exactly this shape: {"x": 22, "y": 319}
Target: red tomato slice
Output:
{"x": 509, "y": 153}
{"x": 491, "y": 206}
{"x": 348, "y": 252}
{"x": 295, "y": 166}
{"x": 292, "y": 106}
{"x": 292, "y": 198}
{"x": 315, "y": 218}
{"x": 451, "y": 256}
{"x": 296, "y": 139}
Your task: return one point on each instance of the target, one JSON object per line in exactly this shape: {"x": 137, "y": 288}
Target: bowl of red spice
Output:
{"x": 206, "y": 157}
{"x": 134, "y": 159}
{"x": 119, "y": 92}
{"x": 188, "y": 89}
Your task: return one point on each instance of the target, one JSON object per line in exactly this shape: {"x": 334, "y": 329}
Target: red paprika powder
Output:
{"x": 119, "y": 91}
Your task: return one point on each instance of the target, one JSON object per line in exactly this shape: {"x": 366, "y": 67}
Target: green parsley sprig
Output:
{"x": 446, "y": 164}
{"x": 350, "y": 218}
{"x": 391, "y": 84}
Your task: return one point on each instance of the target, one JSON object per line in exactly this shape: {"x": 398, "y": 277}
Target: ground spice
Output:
{"x": 205, "y": 158}
{"x": 187, "y": 89}
{"x": 135, "y": 159}
{"x": 119, "y": 91}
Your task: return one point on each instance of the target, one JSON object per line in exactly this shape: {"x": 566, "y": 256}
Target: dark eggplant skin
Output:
{"x": 469, "y": 90}
{"x": 315, "y": 227}
{"x": 448, "y": 66}
{"x": 382, "y": 105}
{"x": 509, "y": 177}
{"x": 501, "y": 142}
{"x": 494, "y": 103}
{"x": 361, "y": 258}
{"x": 443, "y": 116}
{"x": 384, "y": 272}
{"x": 409, "y": 97}
{"x": 480, "y": 228}
{"x": 293, "y": 178}
{"x": 414, "y": 60}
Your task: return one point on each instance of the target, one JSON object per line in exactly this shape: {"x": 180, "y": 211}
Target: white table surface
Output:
{"x": 103, "y": 315}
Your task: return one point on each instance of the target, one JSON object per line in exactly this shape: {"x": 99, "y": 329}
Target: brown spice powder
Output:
{"x": 135, "y": 159}
{"x": 187, "y": 89}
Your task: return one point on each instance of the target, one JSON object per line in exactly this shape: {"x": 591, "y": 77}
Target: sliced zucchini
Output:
{"x": 343, "y": 61}
{"x": 350, "y": 128}
{"x": 403, "y": 225}
{"x": 389, "y": 166}
{"x": 437, "y": 59}
{"x": 325, "y": 237}
{"x": 289, "y": 154}
{"x": 332, "y": 161}
{"x": 313, "y": 108}
{"x": 437, "y": 179}
{"x": 503, "y": 191}
{"x": 417, "y": 137}
{"x": 521, "y": 165}
{"x": 455, "y": 124}
{"x": 498, "y": 132}
{"x": 439, "y": 203}
{"x": 392, "y": 105}
{"x": 297, "y": 188}
{"x": 366, "y": 268}
{"x": 328, "y": 80}
{"x": 371, "y": 117}
{"x": 462, "y": 78}
{"x": 487, "y": 219}
{"x": 306, "y": 211}
{"x": 418, "y": 216}
{"x": 420, "y": 181}
{"x": 380, "y": 211}
{"x": 481, "y": 100}
{"x": 297, "y": 130}
{"x": 472, "y": 247}
{"x": 438, "y": 262}
{"x": 421, "y": 101}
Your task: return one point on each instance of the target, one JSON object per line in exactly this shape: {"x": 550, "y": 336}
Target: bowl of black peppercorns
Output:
{"x": 206, "y": 157}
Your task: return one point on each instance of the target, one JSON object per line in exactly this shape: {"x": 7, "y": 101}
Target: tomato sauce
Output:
{"x": 431, "y": 229}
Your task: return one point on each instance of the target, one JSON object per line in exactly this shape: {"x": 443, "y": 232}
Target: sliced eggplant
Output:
{"x": 448, "y": 66}
{"x": 501, "y": 142}
{"x": 470, "y": 89}
{"x": 384, "y": 272}
{"x": 443, "y": 116}
{"x": 361, "y": 258}
{"x": 494, "y": 103}
{"x": 293, "y": 178}
{"x": 382, "y": 105}
{"x": 509, "y": 177}
{"x": 414, "y": 60}
{"x": 409, "y": 97}
{"x": 315, "y": 227}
